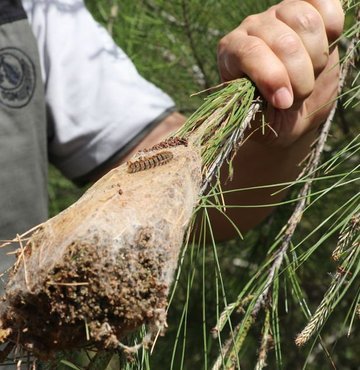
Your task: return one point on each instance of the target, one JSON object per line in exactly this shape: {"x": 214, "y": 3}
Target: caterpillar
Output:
{"x": 168, "y": 143}
{"x": 145, "y": 163}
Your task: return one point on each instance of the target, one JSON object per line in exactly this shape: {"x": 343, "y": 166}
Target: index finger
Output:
{"x": 240, "y": 54}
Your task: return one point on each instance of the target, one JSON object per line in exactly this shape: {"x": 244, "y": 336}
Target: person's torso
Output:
{"x": 23, "y": 138}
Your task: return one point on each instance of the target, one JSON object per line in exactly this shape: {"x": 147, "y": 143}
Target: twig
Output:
{"x": 228, "y": 358}
{"x": 266, "y": 342}
{"x": 66, "y": 284}
{"x": 24, "y": 262}
{"x": 325, "y": 308}
{"x": 347, "y": 237}
{"x": 231, "y": 144}
{"x": 16, "y": 239}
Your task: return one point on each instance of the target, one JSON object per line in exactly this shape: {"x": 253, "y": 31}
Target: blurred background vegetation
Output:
{"x": 173, "y": 44}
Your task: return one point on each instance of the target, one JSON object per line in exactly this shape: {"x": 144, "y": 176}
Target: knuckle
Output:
{"x": 222, "y": 45}
{"x": 288, "y": 43}
{"x": 334, "y": 19}
{"x": 321, "y": 63}
{"x": 268, "y": 80}
{"x": 250, "y": 20}
{"x": 303, "y": 92}
{"x": 309, "y": 21}
{"x": 335, "y": 26}
{"x": 254, "y": 47}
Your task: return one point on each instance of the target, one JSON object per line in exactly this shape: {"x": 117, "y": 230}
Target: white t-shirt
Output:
{"x": 99, "y": 105}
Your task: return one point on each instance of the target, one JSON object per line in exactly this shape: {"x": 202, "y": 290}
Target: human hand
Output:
{"x": 287, "y": 52}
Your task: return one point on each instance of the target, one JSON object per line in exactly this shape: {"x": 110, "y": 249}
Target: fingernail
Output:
{"x": 282, "y": 98}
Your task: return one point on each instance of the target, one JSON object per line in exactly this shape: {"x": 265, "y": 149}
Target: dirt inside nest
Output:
{"x": 93, "y": 301}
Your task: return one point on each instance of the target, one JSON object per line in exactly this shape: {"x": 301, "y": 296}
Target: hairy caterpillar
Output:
{"x": 146, "y": 163}
{"x": 168, "y": 143}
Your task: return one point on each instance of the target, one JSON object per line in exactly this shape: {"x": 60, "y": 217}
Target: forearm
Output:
{"x": 257, "y": 165}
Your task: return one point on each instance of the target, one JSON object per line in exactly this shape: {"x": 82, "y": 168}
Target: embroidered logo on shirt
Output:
{"x": 17, "y": 78}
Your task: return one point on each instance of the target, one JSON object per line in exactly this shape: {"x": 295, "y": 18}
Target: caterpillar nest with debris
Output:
{"x": 103, "y": 267}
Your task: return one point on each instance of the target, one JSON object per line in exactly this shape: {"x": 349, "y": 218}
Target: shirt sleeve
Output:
{"x": 99, "y": 105}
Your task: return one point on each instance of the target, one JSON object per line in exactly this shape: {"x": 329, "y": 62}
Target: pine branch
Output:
{"x": 339, "y": 283}
{"x": 293, "y": 222}
{"x": 231, "y": 145}
{"x": 348, "y": 237}
{"x": 310, "y": 169}
{"x": 218, "y": 127}
{"x": 266, "y": 343}
{"x": 228, "y": 358}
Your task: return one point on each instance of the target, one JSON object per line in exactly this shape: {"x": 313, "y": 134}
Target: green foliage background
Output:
{"x": 173, "y": 44}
